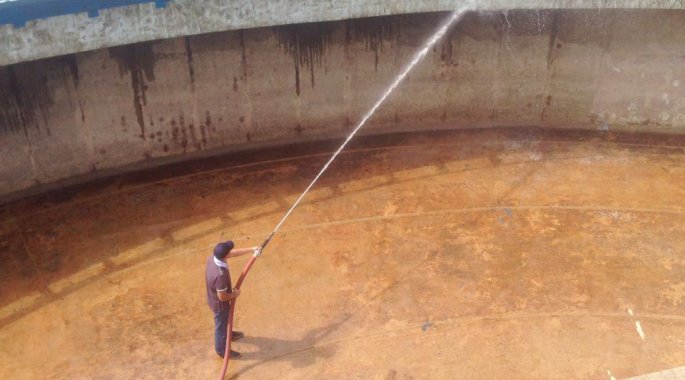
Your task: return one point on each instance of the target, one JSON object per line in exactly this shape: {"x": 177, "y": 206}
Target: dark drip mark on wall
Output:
{"x": 187, "y": 135}
{"x": 548, "y": 102}
{"x": 189, "y": 60}
{"x": 203, "y": 134}
{"x": 554, "y": 31}
{"x": 174, "y": 131}
{"x": 447, "y": 50}
{"x": 193, "y": 135}
{"x": 205, "y": 129}
{"x": 138, "y": 61}
{"x": 208, "y": 119}
{"x": 373, "y": 31}
{"x": 306, "y": 43}
{"x": 70, "y": 61}
{"x": 469, "y": 24}
{"x": 39, "y": 95}
{"x": 184, "y": 133}
{"x": 243, "y": 54}
{"x": 24, "y": 93}
{"x": 12, "y": 119}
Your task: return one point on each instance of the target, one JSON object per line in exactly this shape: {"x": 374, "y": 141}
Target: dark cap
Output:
{"x": 222, "y": 249}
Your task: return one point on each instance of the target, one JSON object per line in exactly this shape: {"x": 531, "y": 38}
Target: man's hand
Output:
{"x": 236, "y": 252}
{"x": 257, "y": 251}
{"x": 226, "y": 296}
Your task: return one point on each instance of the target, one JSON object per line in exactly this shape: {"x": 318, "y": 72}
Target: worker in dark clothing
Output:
{"x": 220, "y": 293}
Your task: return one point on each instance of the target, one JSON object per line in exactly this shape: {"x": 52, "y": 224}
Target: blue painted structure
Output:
{"x": 19, "y": 12}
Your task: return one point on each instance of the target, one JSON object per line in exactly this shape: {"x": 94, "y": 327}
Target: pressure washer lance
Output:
{"x": 258, "y": 252}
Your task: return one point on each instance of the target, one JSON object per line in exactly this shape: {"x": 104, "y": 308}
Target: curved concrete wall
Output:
{"x": 93, "y": 113}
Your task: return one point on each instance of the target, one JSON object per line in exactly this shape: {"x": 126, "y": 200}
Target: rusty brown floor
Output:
{"x": 475, "y": 254}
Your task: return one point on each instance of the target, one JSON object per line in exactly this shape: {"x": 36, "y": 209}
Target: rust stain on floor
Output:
{"x": 472, "y": 254}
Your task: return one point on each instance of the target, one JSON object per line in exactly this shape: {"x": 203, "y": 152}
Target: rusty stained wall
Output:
{"x": 93, "y": 113}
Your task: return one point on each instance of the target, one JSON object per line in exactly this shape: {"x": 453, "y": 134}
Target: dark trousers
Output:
{"x": 220, "y": 328}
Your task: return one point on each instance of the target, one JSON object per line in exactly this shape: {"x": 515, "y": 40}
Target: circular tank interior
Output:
{"x": 515, "y": 209}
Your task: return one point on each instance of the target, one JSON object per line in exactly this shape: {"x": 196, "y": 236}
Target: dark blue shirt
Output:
{"x": 217, "y": 279}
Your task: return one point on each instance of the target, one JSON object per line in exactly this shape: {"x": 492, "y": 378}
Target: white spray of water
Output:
{"x": 417, "y": 58}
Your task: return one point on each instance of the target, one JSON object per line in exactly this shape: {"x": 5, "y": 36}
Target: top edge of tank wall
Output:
{"x": 146, "y": 21}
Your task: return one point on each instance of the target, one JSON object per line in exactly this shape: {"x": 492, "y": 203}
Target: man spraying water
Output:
{"x": 220, "y": 293}
{"x": 454, "y": 16}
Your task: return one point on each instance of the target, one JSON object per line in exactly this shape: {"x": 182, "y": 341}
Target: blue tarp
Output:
{"x": 18, "y": 12}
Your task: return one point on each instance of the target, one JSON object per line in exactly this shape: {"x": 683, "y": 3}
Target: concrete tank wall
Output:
{"x": 94, "y": 113}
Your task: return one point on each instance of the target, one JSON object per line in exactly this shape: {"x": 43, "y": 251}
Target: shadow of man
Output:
{"x": 300, "y": 352}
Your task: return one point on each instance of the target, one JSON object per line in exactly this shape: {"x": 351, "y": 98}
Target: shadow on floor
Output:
{"x": 299, "y": 353}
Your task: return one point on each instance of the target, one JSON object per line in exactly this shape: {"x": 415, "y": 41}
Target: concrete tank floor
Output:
{"x": 473, "y": 254}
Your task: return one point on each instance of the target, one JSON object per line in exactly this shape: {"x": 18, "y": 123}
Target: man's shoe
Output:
{"x": 234, "y": 355}
{"x": 237, "y": 335}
